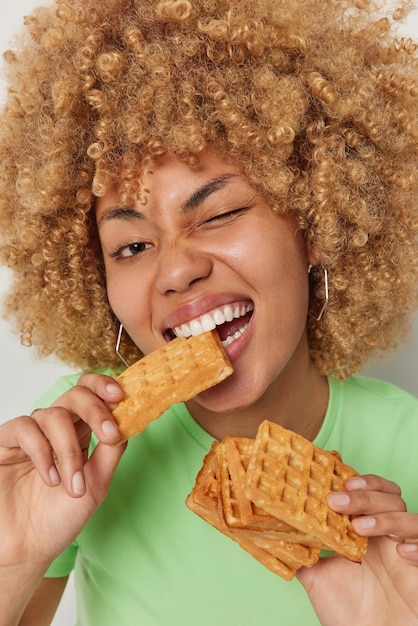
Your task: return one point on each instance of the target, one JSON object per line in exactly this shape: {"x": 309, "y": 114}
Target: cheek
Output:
{"x": 124, "y": 298}
{"x": 114, "y": 301}
{"x": 113, "y": 289}
{"x": 282, "y": 268}
{"x": 279, "y": 259}
{"x": 130, "y": 304}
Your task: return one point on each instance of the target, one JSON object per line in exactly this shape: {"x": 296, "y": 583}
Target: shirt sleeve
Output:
{"x": 62, "y": 385}
{"x": 64, "y": 564}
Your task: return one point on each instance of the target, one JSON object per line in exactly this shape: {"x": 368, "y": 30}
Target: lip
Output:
{"x": 231, "y": 319}
{"x": 198, "y": 307}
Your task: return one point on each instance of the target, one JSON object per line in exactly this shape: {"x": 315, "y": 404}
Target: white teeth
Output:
{"x": 229, "y": 315}
{"x": 235, "y": 336}
{"x": 196, "y": 328}
{"x": 185, "y": 330}
{"x": 209, "y": 321}
{"x": 219, "y": 317}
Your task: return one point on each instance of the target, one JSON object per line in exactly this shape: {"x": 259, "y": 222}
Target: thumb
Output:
{"x": 324, "y": 571}
{"x": 100, "y": 468}
{"x": 305, "y": 577}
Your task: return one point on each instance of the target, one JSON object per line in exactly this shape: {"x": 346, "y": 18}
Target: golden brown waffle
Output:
{"x": 205, "y": 490}
{"x": 269, "y": 495}
{"x": 237, "y": 509}
{"x": 273, "y": 552}
{"x": 289, "y": 478}
{"x": 176, "y": 372}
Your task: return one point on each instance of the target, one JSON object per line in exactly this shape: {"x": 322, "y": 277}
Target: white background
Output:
{"x": 23, "y": 378}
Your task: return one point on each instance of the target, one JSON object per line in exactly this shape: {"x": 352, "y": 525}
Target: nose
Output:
{"x": 180, "y": 266}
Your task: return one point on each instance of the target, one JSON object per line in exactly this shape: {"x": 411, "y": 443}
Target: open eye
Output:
{"x": 129, "y": 250}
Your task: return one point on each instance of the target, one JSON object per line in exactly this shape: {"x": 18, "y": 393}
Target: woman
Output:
{"x": 172, "y": 164}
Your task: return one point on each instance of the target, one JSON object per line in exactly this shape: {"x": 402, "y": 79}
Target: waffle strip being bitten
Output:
{"x": 176, "y": 372}
{"x": 289, "y": 477}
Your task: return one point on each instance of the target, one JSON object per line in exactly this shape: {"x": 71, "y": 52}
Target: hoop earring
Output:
{"x": 117, "y": 347}
{"x": 320, "y": 315}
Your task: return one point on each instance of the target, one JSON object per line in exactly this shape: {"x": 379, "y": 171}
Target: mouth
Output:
{"x": 230, "y": 321}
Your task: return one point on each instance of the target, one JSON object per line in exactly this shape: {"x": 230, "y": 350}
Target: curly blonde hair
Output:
{"x": 317, "y": 103}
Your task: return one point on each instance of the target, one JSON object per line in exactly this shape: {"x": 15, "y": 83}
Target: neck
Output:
{"x": 298, "y": 406}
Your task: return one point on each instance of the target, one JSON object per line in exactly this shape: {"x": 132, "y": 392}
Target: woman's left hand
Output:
{"x": 383, "y": 590}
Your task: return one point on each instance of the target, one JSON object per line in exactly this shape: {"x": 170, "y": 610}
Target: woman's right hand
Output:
{"x": 49, "y": 487}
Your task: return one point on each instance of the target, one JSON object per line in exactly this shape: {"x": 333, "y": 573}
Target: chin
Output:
{"x": 227, "y": 397}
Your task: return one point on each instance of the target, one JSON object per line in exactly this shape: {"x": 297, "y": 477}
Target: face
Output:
{"x": 206, "y": 250}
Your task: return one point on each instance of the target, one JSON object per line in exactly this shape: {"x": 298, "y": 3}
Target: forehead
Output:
{"x": 167, "y": 179}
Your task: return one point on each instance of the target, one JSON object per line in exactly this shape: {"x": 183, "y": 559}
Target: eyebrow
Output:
{"x": 204, "y": 192}
{"x": 192, "y": 202}
{"x": 121, "y": 213}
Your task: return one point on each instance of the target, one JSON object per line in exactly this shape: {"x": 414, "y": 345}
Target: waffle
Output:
{"x": 237, "y": 509}
{"x": 269, "y": 495}
{"x": 176, "y": 372}
{"x": 267, "y": 547}
{"x": 205, "y": 491}
{"x": 289, "y": 478}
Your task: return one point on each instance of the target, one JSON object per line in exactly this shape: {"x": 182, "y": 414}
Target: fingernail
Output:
{"x": 364, "y": 523}
{"x": 409, "y": 547}
{"x": 78, "y": 484}
{"x": 113, "y": 388}
{"x": 356, "y": 483}
{"x": 110, "y": 429}
{"x": 54, "y": 476}
{"x": 338, "y": 499}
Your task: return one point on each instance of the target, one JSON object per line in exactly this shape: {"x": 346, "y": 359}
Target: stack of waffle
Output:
{"x": 269, "y": 495}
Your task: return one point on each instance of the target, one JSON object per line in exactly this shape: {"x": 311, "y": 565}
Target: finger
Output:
{"x": 407, "y": 546}
{"x": 82, "y": 402}
{"x": 57, "y": 425}
{"x": 20, "y": 440}
{"x": 367, "y": 494}
{"x": 403, "y": 527}
{"x": 408, "y": 550}
{"x": 371, "y": 482}
{"x": 105, "y": 387}
{"x": 100, "y": 468}
{"x": 364, "y": 502}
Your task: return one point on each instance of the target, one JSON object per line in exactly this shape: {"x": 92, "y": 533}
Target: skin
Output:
{"x": 44, "y": 602}
{"x": 383, "y": 590}
{"x": 48, "y": 490}
{"x": 179, "y": 257}
{"x": 187, "y": 263}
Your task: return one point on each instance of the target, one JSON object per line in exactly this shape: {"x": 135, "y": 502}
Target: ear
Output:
{"x": 313, "y": 254}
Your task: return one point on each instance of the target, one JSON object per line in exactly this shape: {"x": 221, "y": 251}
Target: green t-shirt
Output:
{"x": 144, "y": 558}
